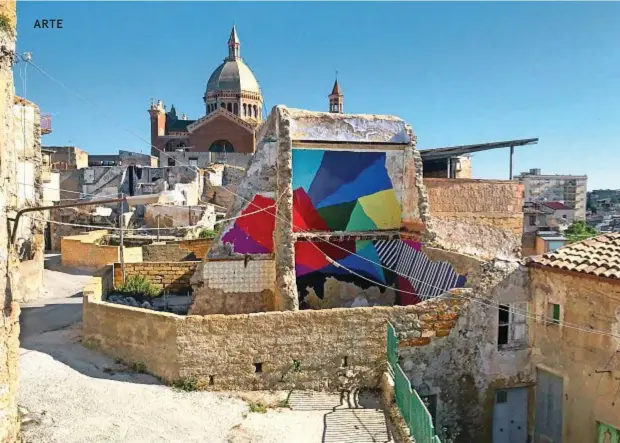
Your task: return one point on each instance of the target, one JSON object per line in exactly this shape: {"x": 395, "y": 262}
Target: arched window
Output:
{"x": 222, "y": 105}
{"x": 236, "y": 109}
{"x": 255, "y": 112}
{"x": 245, "y": 110}
{"x": 221, "y": 146}
{"x": 229, "y": 107}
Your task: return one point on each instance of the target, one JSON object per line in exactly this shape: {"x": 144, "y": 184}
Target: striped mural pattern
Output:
{"x": 429, "y": 278}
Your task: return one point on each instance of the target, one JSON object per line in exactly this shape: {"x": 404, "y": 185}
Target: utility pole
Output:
{"x": 512, "y": 152}
{"x": 122, "y": 252}
{"x": 158, "y": 215}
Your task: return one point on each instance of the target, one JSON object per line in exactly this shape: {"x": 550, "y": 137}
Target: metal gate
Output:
{"x": 548, "y": 409}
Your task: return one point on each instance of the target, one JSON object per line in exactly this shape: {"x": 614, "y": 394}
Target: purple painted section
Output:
{"x": 302, "y": 270}
{"x": 242, "y": 243}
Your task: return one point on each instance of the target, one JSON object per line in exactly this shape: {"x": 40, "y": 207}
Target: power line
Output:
{"x": 299, "y": 229}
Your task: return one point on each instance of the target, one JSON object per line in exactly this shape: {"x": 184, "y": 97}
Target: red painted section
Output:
{"x": 305, "y": 216}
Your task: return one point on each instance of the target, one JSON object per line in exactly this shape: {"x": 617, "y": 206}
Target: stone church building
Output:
{"x": 233, "y": 112}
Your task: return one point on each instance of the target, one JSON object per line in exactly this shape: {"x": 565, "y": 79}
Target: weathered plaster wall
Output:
{"x": 86, "y": 251}
{"x": 483, "y": 218}
{"x": 29, "y": 240}
{"x": 465, "y": 368}
{"x": 258, "y": 186}
{"x": 233, "y": 286}
{"x": 165, "y": 216}
{"x": 588, "y": 363}
{"x": 9, "y": 325}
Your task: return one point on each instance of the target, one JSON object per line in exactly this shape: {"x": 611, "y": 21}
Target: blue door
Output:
{"x": 510, "y": 416}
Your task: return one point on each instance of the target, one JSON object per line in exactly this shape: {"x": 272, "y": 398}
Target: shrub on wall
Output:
{"x": 208, "y": 233}
{"x": 137, "y": 285}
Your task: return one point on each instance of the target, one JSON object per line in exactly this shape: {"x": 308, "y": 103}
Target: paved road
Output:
{"x": 71, "y": 394}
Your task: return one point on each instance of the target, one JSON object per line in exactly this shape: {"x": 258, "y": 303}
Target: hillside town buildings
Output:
{"x": 347, "y": 258}
{"x": 567, "y": 189}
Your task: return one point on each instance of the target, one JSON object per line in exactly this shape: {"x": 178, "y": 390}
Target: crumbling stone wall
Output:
{"x": 483, "y": 218}
{"x": 234, "y": 286}
{"x": 9, "y": 320}
{"x": 323, "y": 350}
{"x": 466, "y": 367}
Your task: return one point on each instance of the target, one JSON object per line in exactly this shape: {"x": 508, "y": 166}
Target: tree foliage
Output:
{"x": 579, "y": 231}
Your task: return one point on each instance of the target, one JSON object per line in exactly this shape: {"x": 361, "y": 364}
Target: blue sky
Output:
{"x": 459, "y": 73}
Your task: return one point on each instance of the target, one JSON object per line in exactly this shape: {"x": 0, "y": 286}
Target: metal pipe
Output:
{"x": 512, "y": 153}
{"x": 53, "y": 207}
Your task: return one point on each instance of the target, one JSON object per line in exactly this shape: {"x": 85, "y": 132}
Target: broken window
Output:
{"x": 512, "y": 325}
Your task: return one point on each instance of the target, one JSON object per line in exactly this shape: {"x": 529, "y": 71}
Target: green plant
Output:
{"x": 187, "y": 384}
{"x": 139, "y": 367}
{"x": 296, "y": 366}
{"x": 208, "y": 233}
{"x": 579, "y": 231}
{"x": 138, "y": 285}
{"x": 258, "y": 407}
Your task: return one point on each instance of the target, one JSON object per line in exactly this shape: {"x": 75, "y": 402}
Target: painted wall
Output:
{"x": 365, "y": 272}
{"x": 347, "y": 191}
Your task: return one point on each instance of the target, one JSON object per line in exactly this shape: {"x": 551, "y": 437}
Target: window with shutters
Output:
{"x": 512, "y": 326}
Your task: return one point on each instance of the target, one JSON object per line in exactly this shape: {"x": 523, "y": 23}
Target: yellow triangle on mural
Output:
{"x": 382, "y": 208}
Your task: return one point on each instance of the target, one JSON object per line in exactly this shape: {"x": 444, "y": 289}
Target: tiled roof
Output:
{"x": 598, "y": 256}
{"x": 556, "y": 206}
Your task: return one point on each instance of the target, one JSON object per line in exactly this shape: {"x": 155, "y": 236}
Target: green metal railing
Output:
{"x": 409, "y": 403}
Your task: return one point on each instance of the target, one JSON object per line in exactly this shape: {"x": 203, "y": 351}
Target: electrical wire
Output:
{"x": 308, "y": 232}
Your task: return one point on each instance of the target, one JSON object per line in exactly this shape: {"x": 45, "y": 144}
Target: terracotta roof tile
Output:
{"x": 598, "y": 256}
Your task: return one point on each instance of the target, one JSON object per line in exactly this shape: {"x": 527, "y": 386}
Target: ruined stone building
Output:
{"x": 233, "y": 110}
{"x": 334, "y": 212}
{"x": 577, "y": 373}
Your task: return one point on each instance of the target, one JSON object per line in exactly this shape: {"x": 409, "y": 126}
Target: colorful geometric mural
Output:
{"x": 343, "y": 191}
{"x": 253, "y": 234}
{"x": 399, "y": 264}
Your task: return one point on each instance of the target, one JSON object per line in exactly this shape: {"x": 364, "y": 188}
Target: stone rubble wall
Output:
{"x": 483, "y": 218}
{"x": 9, "y": 320}
{"x": 322, "y": 350}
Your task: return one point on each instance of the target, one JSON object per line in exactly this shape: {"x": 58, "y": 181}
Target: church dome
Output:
{"x": 233, "y": 75}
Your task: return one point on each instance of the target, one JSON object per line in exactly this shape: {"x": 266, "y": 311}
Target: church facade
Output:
{"x": 233, "y": 111}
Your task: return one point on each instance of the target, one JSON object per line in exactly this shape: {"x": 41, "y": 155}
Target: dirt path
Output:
{"x": 71, "y": 394}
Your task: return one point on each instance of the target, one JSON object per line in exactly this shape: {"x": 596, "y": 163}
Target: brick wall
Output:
{"x": 483, "y": 218}
{"x": 172, "y": 277}
{"x": 222, "y": 351}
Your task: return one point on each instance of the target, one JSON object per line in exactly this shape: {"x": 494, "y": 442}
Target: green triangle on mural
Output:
{"x": 337, "y": 216}
{"x": 359, "y": 221}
